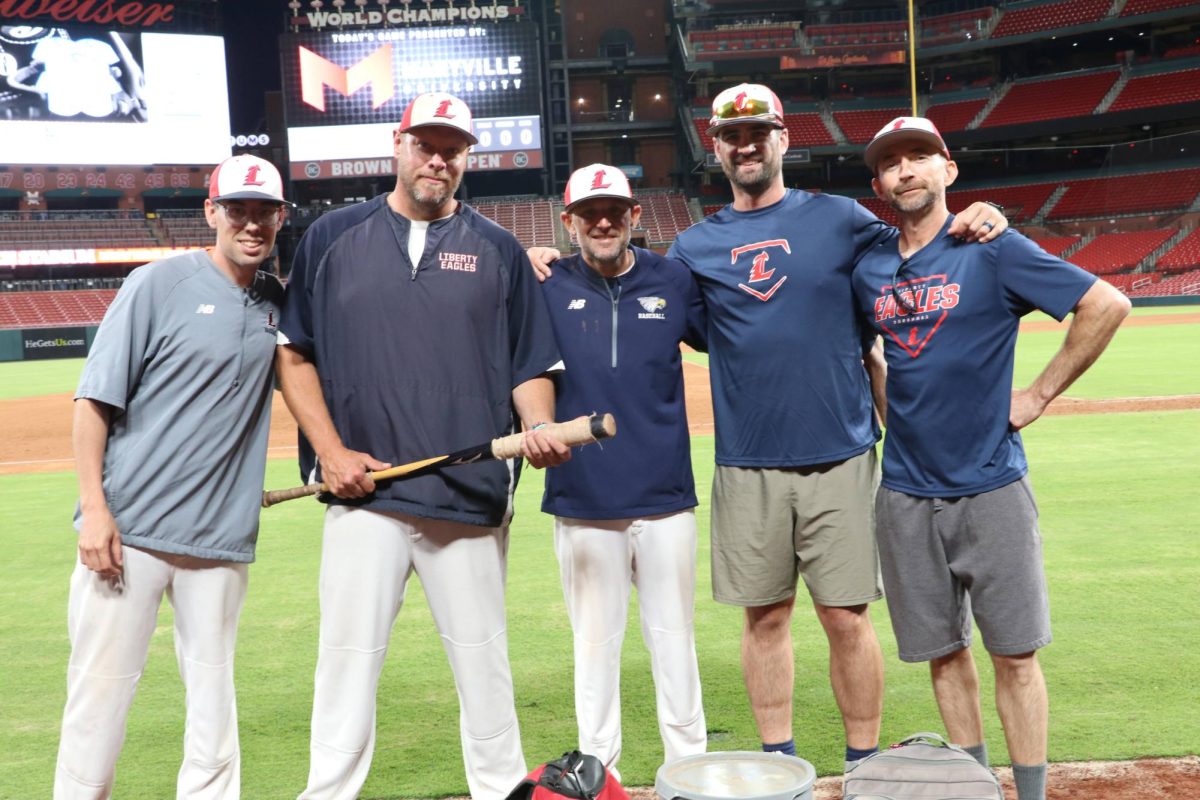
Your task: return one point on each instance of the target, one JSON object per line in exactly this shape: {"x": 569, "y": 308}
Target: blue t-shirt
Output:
{"x": 620, "y": 341}
{"x": 785, "y": 346}
{"x": 950, "y": 363}
{"x": 419, "y": 359}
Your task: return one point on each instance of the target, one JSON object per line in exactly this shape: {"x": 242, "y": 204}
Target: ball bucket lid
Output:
{"x": 736, "y": 774}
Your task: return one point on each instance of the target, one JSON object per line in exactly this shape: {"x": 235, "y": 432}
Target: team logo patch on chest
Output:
{"x": 761, "y": 283}
{"x": 459, "y": 262}
{"x": 913, "y": 310}
{"x": 652, "y": 308}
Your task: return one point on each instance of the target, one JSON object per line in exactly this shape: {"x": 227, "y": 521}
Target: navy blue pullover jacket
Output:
{"x": 620, "y": 341}
{"x": 419, "y": 360}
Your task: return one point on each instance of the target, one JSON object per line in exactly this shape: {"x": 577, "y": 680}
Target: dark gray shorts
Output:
{"x": 944, "y": 558}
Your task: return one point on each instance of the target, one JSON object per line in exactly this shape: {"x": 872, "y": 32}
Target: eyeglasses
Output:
{"x": 744, "y": 106}
{"x": 266, "y": 217}
{"x": 905, "y": 299}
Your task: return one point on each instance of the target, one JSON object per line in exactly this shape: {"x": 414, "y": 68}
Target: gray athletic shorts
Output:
{"x": 943, "y": 558}
{"x": 771, "y": 525}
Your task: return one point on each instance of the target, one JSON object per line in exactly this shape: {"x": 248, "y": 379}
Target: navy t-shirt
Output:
{"x": 620, "y": 342}
{"x": 950, "y": 363}
{"x": 785, "y": 345}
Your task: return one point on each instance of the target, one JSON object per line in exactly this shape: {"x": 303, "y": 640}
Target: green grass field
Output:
{"x": 1118, "y": 503}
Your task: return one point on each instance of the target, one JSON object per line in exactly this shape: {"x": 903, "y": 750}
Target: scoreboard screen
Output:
{"x": 74, "y": 95}
{"x": 344, "y": 94}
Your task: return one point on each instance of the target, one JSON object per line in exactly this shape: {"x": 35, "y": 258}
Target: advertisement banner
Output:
{"x": 345, "y": 92}
{"x": 42, "y": 343}
{"x": 853, "y": 57}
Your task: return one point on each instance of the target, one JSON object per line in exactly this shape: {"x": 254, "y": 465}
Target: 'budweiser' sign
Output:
{"x": 92, "y": 12}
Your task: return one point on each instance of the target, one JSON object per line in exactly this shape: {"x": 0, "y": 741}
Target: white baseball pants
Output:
{"x": 366, "y": 560}
{"x": 110, "y": 624}
{"x": 599, "y": 561}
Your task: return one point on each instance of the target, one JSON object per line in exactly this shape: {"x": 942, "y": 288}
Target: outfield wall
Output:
{"x": 32, "y": 344}
{"x": 29, "y": 344}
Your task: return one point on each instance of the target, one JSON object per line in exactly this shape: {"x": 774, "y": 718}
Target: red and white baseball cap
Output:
{"x": 904, "y": 128}
{"x": 440, "y": 109}
{"x": 746, "y": 102}
{"x": 246, "y": 177}
{"x": 597, "y": 180}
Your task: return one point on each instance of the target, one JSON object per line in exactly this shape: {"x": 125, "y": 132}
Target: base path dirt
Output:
{"x": 1144, "y": 779}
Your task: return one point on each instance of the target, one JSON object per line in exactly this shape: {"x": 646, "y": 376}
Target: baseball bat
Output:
{"x": 584, "y": 430}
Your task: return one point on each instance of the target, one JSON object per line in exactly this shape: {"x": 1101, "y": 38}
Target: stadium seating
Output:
{"x": 52, "y": 309}
{"x": 955, "y": 116}
{"x": 807, "y": 130}
{"x": 531, "y": 221}
{"x": 1188, "y": 283}
{"x": 1109, "y": 253}
{"x": 710, "y": 209}
{"x": 737, "y": 39}
{"x": 65, "y": 230}
{"x": 1020, "y": 203}
{"x": 664, "y": 216}
{"x": 1135, "y": 7}
{"x": 961, "y": 26}
{"x": 857, "y": 34}
{"x": 1128, "y": 281}
{"x": 1162, "y": 89}
{"x": 1050, "y": 16}
{"x": 1183, "y": 256}
{"x": 1057, "y": 245}
{"x": 1054, "y": 98}
{"x": 862, "y": 124}
{"x": 1128, "y": 194}
{"x": 186, "y": 228}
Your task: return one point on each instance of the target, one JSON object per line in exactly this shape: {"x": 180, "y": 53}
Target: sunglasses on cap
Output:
{"x": 743, "y": 106}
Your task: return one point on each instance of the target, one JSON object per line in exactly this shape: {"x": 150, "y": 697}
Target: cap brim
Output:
{"x": 470, "y": 137}
{"x": 599, "y": 196}
{"x": 266, "y": 198}
{"x": 762, "y": 119}
{"x": 871, "y": 154}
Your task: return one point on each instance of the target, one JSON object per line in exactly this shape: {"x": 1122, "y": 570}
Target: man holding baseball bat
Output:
{"x": 170, "y": 434}
{"x": 412, "y": 327}
{"x": 625, "y": 515}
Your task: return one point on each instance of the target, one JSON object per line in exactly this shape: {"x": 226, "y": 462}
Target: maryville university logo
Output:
{"x": 375, "y": 70}
{"x": 758, "y": 284}
{"x": 931, "y": 299}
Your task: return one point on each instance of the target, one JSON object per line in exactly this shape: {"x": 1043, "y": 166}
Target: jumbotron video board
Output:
{"x": 344, "y": 94}
{"x": 81, "y": 95}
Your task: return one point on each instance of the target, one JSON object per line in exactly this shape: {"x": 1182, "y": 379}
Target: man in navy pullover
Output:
{"x": 412, "y": 327}
{"x": 625, "y": 513}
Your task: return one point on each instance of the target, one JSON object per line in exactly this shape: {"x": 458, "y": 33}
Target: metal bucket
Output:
{"x": 736, "y": 775}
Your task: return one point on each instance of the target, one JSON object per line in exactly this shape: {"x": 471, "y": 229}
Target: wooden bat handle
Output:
{"x": 576, "y": 432}
{"x": 584, "y": 430}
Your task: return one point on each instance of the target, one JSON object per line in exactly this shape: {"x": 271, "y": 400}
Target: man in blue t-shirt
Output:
{"x": 624, "y": 515}
{"x": 956, "y": 519}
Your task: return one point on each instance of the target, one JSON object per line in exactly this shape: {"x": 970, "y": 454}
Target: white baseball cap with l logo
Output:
{"x": 438, "y": 109}
{"x": 597, "y": 180}
{"x": 246, "y": 177}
